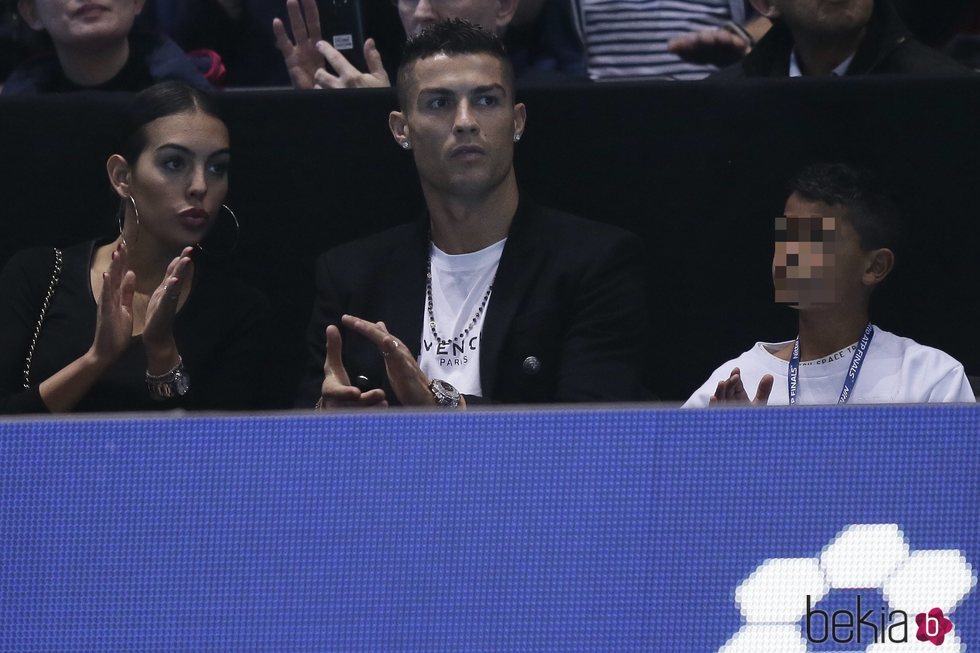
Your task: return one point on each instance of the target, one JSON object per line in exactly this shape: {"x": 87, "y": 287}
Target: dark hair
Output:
{"x": 867, "y": 206}
{"x": 159, "y": 101}
{"x": 450, "y": 37}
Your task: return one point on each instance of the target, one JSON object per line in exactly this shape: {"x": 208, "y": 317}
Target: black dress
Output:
{"x": 220, "y": 333}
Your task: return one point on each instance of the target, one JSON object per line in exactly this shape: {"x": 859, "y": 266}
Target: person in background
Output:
{"x": 95, "y": 48}
{"x": 857, "y": 37}
{"x": 551, "y": 54}
{"x": 683, "y": 40}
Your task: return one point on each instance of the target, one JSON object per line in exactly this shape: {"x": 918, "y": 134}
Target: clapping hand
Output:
{"x": 731, "y": 390}
{"x": 407, "y": 379}
{"x": 158, "y": 329}
{"x": 336, "y": 390}
{"x": 114, "y": 318}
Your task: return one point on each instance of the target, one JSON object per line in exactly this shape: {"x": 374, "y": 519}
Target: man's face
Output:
{"x": 416, "y": 15}
{"x": 460, "y": 119}
{"x": 825, "y": 17}
{"x": 818, "y": 257}
{"x": 82, "y": 24}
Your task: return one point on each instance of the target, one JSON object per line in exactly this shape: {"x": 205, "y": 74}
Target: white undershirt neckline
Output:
{"x": 796, "y": 71}
{"x": 459, "y": 284}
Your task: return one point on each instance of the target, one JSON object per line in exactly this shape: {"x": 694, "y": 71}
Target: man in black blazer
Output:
{"x": 511, "y": 302}
{"x": 858, "y": 37}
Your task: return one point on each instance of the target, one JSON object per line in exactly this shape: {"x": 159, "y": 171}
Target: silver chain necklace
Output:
{"x": 432, "y": 316}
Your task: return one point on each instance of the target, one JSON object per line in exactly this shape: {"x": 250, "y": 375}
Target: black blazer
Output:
{"x": 568, "y": 292}
{"x": 888, "y": 48}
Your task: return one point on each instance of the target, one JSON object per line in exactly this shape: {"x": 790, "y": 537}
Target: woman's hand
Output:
{"x": 114, "y": 318}
{"x": 158, "y": 328}
{"x": 63, "y": 390}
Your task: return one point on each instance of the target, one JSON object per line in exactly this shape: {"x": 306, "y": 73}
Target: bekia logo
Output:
{"x": 933, "y": 626}
{"x": 861, "y": 626}
{"x": 866, "y": 591}
{"x": 857, "y": 626}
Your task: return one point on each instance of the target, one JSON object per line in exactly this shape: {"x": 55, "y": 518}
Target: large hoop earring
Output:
{"x": 121, "y": 214}
{"x": 238, "y": 232}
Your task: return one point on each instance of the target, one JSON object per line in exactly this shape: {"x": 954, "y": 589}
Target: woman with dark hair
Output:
{"x": 96, "y": 48}
{"x": 137, "y": 320}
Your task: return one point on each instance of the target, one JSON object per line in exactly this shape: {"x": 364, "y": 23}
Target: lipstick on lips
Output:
{"x": 194, "y": 217}
{"x": 89, "y": 9}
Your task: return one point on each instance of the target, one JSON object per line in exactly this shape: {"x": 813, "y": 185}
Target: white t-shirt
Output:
{"x": 896, "y": 370}
{"x": 459, "y": 284}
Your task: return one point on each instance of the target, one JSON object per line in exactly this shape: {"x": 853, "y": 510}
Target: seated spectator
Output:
{"x": 544, "y": 42}
{"x": 133, "y": 321}
{"x": 834, "y": 246}
{"x": 488, "y": 296}
{"x": 96, "y": 48}
{"x": 306, "y": 52}
{"x": 653, "y": 38}
{"x": 240, "y": 31}
{"x": 861, "y": 37}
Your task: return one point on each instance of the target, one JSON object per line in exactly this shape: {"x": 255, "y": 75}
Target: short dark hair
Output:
{"x": 868, "y": 207}
{"x": 159, "y": 101}
{"x": 453, "y": 36}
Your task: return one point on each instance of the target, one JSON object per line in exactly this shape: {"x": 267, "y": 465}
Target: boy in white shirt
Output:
{"x": 833, "y": 247}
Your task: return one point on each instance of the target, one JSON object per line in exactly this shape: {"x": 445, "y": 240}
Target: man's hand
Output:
{"x": 337, "y": 391}
{"x": 410, "y": 384}
{"x": 300, "y": 55}
{"x": 731, "y": 390}
{"x": 717, "y": 47}
{"x": 347, "y": 76}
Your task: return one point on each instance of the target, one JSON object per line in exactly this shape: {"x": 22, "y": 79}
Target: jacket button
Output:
{"x": 531, "y": 365}
{"x": 362, "y": 382}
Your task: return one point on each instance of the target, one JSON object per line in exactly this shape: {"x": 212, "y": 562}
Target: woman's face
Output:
{"x": 181, "y": 177}
{"x": 82, "y": 23}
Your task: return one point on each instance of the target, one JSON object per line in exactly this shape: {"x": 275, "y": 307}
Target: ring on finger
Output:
{"x": 394, "y": 345}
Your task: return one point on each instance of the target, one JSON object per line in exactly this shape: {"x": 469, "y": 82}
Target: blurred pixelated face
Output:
{"x": 181, "y": 177}
{"x": 82, "y": 23}
{"x": 460, "y": 119}
{"x": 831, "y": 17}
{"x": 416, "y": 15}
{"x": 818, "y": 258}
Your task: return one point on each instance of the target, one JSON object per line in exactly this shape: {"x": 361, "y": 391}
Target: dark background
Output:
{"x": 696, "y": 169}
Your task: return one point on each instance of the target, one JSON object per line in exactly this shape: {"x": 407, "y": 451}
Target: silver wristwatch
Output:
{"x": 446, "y": 395}
{"x": 174, "y": 383}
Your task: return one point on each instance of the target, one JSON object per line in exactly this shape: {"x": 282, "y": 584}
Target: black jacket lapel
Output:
{"x": 519, "y": 264}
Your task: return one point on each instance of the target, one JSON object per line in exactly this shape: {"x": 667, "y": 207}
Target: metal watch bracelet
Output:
{"x": 168, "y": 385}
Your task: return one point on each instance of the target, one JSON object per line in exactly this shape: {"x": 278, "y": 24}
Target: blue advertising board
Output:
{"x": 776, "y": 530}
